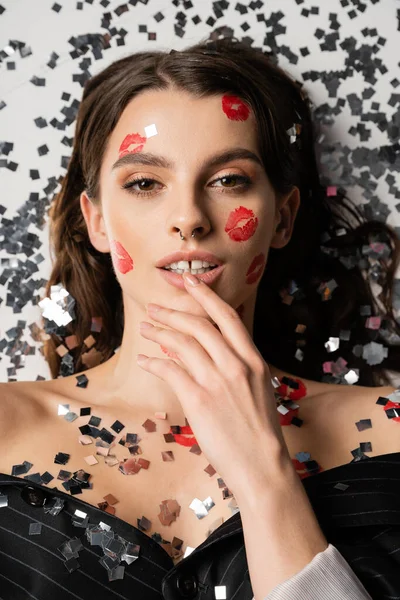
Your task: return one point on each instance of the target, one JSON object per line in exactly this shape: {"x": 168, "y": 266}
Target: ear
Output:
{"x": 95, "y": 223}
{"x": 286, "y": 211}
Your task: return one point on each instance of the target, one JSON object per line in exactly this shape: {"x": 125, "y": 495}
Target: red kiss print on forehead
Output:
{"x": 131, "y": 140}
{"x": 241, "y": 234}
{"x": 234, "y": 108}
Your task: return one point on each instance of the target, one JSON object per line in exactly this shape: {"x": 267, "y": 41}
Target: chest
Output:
{"x": 155, "y": 497}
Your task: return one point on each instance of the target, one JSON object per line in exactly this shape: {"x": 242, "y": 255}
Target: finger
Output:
{"x": 169, "y": 371}
{"x": 222, "y": 356}
{"x": 228, "y": 321}
{"x": 190, "y": 352}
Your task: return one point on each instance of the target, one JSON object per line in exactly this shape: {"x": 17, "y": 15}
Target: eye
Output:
{"x": 244, "y": 185}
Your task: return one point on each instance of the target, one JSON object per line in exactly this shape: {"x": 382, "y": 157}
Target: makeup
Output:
{"x": 289, "y": 391}
{"x": 306, "y": 468}
{"x": 234, "y": 108}
{"x": 130, "y": 144}
{"x": 121, "y": 258}
{"x": 183, "y": 435}
{"x": 256, "y": 268}
{"x": 391, "y": 409}
{"x": 241, "y": 234}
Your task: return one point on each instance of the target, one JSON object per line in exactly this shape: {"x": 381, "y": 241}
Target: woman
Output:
{"x": 238, "y": 433}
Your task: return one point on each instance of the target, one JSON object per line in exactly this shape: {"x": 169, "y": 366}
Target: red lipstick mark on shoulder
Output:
{"x": 234, "y": 108}
{"x": 288, "y": 393}
{"x": 241, "y": 234}
{"x": 121, "y": 257}
{"x": 301, "y": 468}
{"x": 255, "y": 269}
{"x": 285, "y": 392}
{"x": 396, "y": 405}
{"x": 131, "y": 140}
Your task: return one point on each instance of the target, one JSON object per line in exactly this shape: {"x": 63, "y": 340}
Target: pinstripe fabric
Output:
{"x": 362, "y": 522}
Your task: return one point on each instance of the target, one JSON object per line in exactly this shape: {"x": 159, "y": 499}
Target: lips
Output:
{"x": 255, "y": 269}
{"x": 241, "y": 234}
{"x": 132, "y": 138}
{"x": 177, "y": 281}
{"x": 122, "y": 259}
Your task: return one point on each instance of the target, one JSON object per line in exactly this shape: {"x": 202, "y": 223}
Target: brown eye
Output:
{"x": 245, "y": 184}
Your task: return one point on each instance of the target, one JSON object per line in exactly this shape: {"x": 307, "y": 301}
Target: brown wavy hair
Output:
{"x": 315, "y": 288}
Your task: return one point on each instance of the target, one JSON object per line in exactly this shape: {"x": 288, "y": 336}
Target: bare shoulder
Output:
{"x": 356, "y": 417}
{"x": 19, "y": 404}
{"x": 339, "y": 422}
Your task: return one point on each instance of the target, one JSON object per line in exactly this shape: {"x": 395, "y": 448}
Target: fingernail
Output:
{"x": 191, "y": 279}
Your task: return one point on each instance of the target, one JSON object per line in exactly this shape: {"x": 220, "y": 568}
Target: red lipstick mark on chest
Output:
{"x": 234, "y": 108}
{"x": 123, "y": 261}
{"x": 185, "y": 437}
{"x": 241, "y": 234}
{"x": 255, "y": 269}
{"x": 132, "y": 140}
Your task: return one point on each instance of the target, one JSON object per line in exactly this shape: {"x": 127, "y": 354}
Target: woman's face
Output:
{"x": 231, "y": 205}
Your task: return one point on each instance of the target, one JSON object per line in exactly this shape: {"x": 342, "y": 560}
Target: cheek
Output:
{"x": 241, "y": 224}
{"x": 121, "y": 259}
{"x": 131, "y": 144}
{"x": 234, "y": 108}
{"x": 256, "y": 268}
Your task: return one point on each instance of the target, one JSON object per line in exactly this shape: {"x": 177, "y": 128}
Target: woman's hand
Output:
{"x": 225, "y": 390}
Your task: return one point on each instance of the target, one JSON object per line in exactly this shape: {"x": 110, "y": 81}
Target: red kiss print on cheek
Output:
{"x": 241, "y": 234}
{"x": 234, "y": 108}
{"x": 122, "y": 260}
{"x": 131, "y": 140}
{"x": 255, "y": 269}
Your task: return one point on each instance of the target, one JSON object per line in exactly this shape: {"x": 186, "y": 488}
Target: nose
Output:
{"x": 190, "y": 215}
{"x": 187, "y": 232}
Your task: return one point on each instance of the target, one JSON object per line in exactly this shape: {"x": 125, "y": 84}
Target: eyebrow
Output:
{"x": 154, "y": 160}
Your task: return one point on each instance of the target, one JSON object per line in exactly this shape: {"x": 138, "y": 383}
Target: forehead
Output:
{"x": 182, "y": 121}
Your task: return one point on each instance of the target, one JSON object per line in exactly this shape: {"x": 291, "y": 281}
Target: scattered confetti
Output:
{"x": 360, "y": 165}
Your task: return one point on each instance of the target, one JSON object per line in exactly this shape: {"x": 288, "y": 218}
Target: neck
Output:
{"x": 124, "y": 386}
